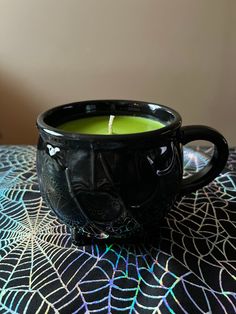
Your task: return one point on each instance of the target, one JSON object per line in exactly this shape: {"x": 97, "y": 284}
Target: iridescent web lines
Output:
{"x": 191, "y": 270}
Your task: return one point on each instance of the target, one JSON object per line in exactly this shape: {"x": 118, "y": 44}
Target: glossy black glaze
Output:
{"x": 117, "y": 186}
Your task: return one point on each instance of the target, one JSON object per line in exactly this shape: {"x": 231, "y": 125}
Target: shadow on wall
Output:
{"x": 18, "y": 113}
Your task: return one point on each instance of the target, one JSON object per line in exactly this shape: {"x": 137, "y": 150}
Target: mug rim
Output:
{"x": 51, "y": 130}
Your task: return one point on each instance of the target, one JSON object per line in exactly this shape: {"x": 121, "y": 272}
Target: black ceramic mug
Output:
{"x": 118, "y": 186}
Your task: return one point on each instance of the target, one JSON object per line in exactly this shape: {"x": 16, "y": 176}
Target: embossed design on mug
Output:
{"x": 52, "y": 150}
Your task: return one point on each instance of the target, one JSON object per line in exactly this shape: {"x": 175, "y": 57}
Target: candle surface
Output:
{"x": 121, "y": 125}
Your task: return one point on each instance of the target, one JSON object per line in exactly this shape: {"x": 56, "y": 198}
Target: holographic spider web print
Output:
{"x": 192, "y": 269}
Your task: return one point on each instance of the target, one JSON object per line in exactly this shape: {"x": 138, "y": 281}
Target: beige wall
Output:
{"x": 179, "y": 52}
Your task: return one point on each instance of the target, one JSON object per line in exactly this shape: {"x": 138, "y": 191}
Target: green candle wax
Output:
{"x": 121, "y": 125}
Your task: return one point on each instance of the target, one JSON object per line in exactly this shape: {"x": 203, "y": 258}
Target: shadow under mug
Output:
{"x": 118, "y": 186}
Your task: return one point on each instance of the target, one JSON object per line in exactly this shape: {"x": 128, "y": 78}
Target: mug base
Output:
{"x": 79, "y": 239}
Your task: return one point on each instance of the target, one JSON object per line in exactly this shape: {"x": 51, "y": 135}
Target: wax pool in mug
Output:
{"x": 120, "y": 125}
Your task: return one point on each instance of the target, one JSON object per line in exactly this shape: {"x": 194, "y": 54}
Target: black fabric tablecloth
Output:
{"x": 192, "y": 269}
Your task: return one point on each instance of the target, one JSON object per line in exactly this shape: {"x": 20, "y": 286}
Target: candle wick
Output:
{"x": 110, "y": 124}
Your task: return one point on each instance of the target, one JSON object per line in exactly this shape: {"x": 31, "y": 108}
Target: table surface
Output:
{"x": 191, "y": 270}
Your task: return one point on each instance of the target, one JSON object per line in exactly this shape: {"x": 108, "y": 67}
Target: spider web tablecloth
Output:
{"x": 191, "y": 270}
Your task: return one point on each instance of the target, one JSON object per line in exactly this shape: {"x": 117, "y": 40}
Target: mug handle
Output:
{"x": 215, "y": 165}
